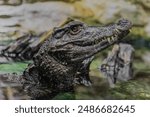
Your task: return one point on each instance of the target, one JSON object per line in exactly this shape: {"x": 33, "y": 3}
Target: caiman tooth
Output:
{"x": 117, "y": 30}
{"x": 108, "y": 39}
{"x": 115, "y": 35}
{"x": 112, "y": 38}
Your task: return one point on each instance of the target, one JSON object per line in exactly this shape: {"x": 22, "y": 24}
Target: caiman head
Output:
{"x": 67, "y": 54}
{"x": 76, "y": 41}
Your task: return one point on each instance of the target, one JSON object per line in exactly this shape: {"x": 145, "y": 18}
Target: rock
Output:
{"x": 37, "y": 17}
{"x": 118, "y": 64}
{"x": 108, "y": 11}
{"x": 144, "y": 3}
{"x": 104, "y": 11}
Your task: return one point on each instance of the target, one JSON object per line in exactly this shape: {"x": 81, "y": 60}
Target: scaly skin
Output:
{"x": 64, "y": 59}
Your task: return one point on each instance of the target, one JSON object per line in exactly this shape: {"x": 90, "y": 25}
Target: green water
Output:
{"x": 15, "y": 67}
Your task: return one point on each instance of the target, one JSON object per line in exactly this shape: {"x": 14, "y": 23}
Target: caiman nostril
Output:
{"x": 124, "y": 22}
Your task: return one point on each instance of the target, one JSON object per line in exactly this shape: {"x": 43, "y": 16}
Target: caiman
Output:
{"x": 64, "y": 58}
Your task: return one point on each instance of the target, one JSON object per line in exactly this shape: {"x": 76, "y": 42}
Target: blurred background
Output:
{"x": 19, "y": 18}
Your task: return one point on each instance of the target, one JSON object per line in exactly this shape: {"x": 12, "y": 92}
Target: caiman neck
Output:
{"x": 51, "y": 68}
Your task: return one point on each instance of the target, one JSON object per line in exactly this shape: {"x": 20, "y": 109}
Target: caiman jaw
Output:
{"x": 110, "y": 39}
{"x": 107, "y": 34}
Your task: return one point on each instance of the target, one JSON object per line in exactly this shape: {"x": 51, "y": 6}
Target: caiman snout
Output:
{"x": 111, "y": 33}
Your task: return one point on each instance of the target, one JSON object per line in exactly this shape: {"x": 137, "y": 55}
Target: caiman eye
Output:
{"x": 75, "y": 29}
